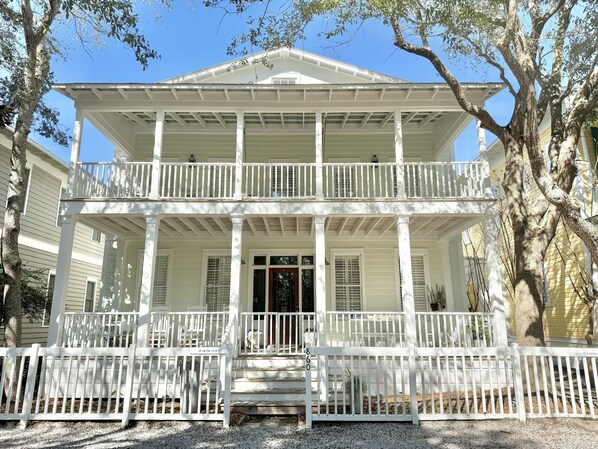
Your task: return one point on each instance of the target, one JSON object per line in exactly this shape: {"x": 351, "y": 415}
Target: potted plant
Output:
{"x": 357, "y": 388}
{"x": 437, "y": 298}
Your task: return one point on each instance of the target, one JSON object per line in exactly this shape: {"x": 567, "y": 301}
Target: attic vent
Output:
{"x": 284, "y": 80}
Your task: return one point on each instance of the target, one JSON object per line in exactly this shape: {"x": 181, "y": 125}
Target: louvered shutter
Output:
{"x": 218, "y": 283}
{"x": 344, "y": 181}
{"x": 347, "y": 279}
{"x": 283, "y": 181}
{"x": 160, "y": 281}
{"x": 419, "y": 284}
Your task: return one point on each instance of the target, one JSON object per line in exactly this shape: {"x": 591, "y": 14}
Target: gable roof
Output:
{"x": 248, "y": 65}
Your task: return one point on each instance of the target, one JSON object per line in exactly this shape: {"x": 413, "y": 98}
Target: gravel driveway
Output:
{"x": 284, "y": 432}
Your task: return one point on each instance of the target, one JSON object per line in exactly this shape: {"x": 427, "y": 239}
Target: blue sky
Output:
{"x": 192, "y": 37}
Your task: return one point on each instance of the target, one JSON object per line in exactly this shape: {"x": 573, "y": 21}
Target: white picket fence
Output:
{"x": 412, "y": 384}
{"x": 116, "y": 384}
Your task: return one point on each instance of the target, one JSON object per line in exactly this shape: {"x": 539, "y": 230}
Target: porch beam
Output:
{"x": 342, "y": 225}
{"x": 399, "y": 160}
{"x": 360, "y": 221}
{"x": 319, "y": 157}
{"x": 251, "y": 226}
{"x": 147, "y": 278}
{"x": 495, "y": 291}
{"x": 266, "y": 225}
{"x": 63, "y": 268}
{"x": 371, "y": 228}
{"x": 406, "y": 279}
{"x": 239, "y": 153}
{"x": 281, "y": 226}
{"x": 222, "y": 226}
{"x": 192, "y": 226}
{"x": 235, "y": 277}
{"x": 206, "y": 225}
{"x": 320, "y": 284}
{"x": 157, "y": 157}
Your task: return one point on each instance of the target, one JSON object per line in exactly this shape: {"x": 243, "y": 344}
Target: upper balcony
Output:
{"x": 280, "y": 181}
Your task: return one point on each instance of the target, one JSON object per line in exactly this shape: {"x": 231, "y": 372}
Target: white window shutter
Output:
{"x": 419, "y": 284}
{"x": 347, "y": 279}
{"x": 283, "y": 182}
{"x": 218, "y": 283}
{"x": 160, "y": 281}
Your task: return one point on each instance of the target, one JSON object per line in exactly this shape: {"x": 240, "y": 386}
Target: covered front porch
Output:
{"x": 272, "y": 284}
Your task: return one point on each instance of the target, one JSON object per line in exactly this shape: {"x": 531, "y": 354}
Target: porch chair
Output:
{"x": 159, "y": 327}
{"x": 192, "y": 330}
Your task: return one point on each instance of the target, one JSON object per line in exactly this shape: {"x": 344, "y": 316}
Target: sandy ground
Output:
{"x": 289, "y": 432}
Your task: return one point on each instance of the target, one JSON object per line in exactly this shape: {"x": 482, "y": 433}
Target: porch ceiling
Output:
{"x": 272, "y": 121}
{"x": 189, "y": 227}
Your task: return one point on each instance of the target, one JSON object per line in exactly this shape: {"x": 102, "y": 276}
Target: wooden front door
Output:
{"x": 284, "y": 299}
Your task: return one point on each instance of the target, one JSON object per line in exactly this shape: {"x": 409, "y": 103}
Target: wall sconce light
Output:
{"x": 192, "y": 159}
{"x": 374, "y": 159}
{"x": 326, "y": 262}
{"x": 243, "y": 262}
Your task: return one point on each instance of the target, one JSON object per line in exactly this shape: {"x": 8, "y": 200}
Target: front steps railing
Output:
{"x": 340, "y": 181}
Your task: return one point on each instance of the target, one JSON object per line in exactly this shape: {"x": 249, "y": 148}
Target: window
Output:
{"x": 217, "y": 289}
{"x": 49, "y": 295}
{"x": 594, "y": 132}
{"x": 90, "y": 295}
{"x": 283, "y": 182}
{"x": 418, "y": 273}
{"x": 96, "y": 235}
{"x": 545, "y": 286}
{"x": 282, "y": 80}
{"x": 347, "y": 282}
{"x": 160, "y": 291}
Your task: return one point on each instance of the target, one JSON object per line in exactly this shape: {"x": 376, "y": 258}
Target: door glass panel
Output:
{"x": 307, "y": 291}
{"x": 307, "y": 260}
{"x": 283, "y": 260}
{"x": 259, "y": 260}
{"x": 259, "y": 290}
{"x": 283, "y": 291}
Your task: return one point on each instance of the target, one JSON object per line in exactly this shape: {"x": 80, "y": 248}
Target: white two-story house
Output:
{"x": 274, "y": 205}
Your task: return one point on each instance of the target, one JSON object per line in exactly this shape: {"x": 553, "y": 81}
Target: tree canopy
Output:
{"x": 545, "y": 53}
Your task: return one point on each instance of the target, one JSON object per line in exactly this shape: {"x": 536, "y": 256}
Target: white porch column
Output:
{"x": 494, "y": 269}
{"x": 75, "y": 150}
{"x": 320, "y": 284}
{"x": 240, "y": 148}
{"x": 119, "y": 268}
{"x": 448, "y": 275}
{"x": 158, "y": 135}
{"x": 63, "y": 269}
{"x": 147, "y": 278}
{"x": 484, "y": 159}
{"x": 319, "y": 157}
{"x": 234, "y": 307}
{"x": 406, "y": 279}
{"x": 399, "y": 160}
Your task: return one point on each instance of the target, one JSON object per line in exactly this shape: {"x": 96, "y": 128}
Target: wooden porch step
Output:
{"x": 269, "y": 408}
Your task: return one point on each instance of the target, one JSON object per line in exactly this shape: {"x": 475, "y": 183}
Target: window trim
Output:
{"x": 204, "y": 271}
{"x": 94, "y": 280}
{"x": 139, "y": 276}
{"x": 334, "y": 252}
{"x": 414, "y": 252}
{"x": 93, "y": 230}
{"x": 29, "y": 167}
{"x": 50, "y": 273}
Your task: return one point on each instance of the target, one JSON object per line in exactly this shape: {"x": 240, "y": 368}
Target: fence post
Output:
{"x": 29, "y": 386}
{"x": 413, "y": 386}
{"x": 308, "y": 366}
{"x": 518, "y": 381}
{"x": 129, "y": 386}
{"x": 227, "y": 367}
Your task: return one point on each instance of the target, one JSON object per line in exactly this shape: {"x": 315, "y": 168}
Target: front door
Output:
{"x": 284, "y": 299}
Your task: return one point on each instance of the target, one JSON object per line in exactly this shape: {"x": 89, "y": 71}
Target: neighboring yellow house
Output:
{"x": 567, "y": 264}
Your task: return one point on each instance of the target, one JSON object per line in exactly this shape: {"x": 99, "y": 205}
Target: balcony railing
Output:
{"x": 340, "y": 181}
{"x": 284, "y": 180}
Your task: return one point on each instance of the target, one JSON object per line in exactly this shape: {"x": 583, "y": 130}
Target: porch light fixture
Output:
{"x": 374, "y": 159}
{"x": 243, "y": 262}
{"x": 326, "y": 262}
{"x": 192, "y": 159}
